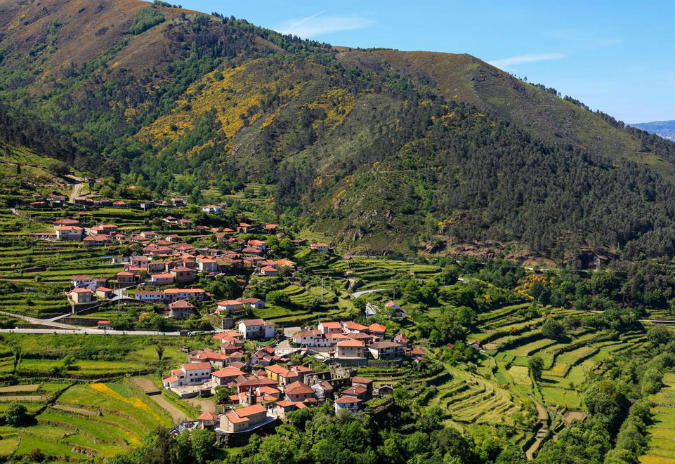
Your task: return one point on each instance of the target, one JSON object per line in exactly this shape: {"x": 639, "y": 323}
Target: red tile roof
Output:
{"x": 351, "y": 343}
{"x": 250, "y": 410}
{"x": 196, "y": 366}
{"x": 298, "y": 388}
{"x": 227, "y": 372}
{"x": 208, "y": 416}
{"x": 377, "y": 328}
{"x": 331, "y": 325}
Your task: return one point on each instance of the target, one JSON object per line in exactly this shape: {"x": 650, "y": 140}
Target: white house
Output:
{"x": 190, "y": 374}
{"x": 330, "y": 327}
{"x": 256, "y": 328}
{"x": 385, "y": 350}
{"x": 311, "y": 338}
{"x": 173, "y": 294}
{"x": 230, "y": 305}
{"x": 83, "y": 281}
{"x": 212, "y": 209}
{"x": 208, "y": 265}
{"x": 149, "y": 296}
{"x": 161, "y": 279}
{"x": 68, "y": 232}
{"x": 254, "y": 303}
{"x": 354, "y": 327}
{"x": 347, "y": 403}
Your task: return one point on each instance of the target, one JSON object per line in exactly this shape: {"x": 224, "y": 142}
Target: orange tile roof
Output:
{"x": 207, "y": 416}
{"x": 250, "y": 410}
{"x": 351, "y": 343}
{"x": 235, "y": 419}
{"x": 227, "y": 372}
{"x": 331, "y": 325}
{"x": 298, "y": 388}
{"x": 196, "y": 366}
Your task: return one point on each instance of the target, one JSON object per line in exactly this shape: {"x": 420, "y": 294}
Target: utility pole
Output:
{"x": 322, "y": 289}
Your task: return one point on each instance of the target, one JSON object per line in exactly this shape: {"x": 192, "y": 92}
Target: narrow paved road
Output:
{"x": 77, "y": 188}
{"x": 89, "y": 331}
{"x": 58, "y": 327}
{"x": 34, "y": 320}
{"x": 365, "y": 292}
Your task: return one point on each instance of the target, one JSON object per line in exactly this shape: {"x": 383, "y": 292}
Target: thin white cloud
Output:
{"x": 532, "y": 58}
{"x": 318, "y": 24}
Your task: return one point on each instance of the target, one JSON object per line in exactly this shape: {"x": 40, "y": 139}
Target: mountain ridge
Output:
{"x": 665, "y": 129}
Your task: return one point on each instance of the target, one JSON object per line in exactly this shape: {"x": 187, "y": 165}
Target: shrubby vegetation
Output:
{"x": 145, "y": 19}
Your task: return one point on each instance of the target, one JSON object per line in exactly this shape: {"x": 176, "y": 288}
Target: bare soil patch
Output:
{"x": 573, "y": 415}
{"x": 20, "y": 389}
{"x": 176, "y": 414}
{"x": 147, "y": 385}
{"x": 23, "y": 398}
{"x": 84, "y": 412}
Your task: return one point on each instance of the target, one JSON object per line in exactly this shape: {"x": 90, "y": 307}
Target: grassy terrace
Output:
{"x": 42, "y": 271}
{"x": 661, "y": 432}
{"x": 512, "y": 341}
{"x": 89, "y": 407}
{"x": 82, "y": 421}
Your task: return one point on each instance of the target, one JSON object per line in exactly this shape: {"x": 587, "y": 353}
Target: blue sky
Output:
{"x": 617, "y": 56}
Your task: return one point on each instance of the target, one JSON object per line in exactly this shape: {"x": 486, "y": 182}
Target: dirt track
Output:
{"x": 176, "y": 414}
{"x": 146, "y": 385}
{"x": 155, "y": 394}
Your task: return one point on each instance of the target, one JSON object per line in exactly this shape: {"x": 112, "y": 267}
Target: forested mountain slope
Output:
{"x": 380, "y": 149}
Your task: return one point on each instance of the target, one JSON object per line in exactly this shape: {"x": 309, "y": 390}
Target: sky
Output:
{"x": 616, "y": 56}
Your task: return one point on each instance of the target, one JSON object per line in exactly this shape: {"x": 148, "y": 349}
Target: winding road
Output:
{"x": 53, "y": 327}
{"x": 77, "y": 188}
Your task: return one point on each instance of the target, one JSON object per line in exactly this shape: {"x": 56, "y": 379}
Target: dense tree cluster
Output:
{"x": 318, "y": 436}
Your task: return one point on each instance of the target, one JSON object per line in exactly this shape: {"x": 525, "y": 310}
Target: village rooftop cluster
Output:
{"x": 266, "y": 385}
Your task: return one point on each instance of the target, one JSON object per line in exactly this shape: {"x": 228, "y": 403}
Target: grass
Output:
{"x": 661, "y": 433}
{"x": 99, "y": 420}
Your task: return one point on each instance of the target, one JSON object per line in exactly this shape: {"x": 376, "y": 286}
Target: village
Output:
{"x": 264, "y": 383}
{"x": 259, "y": 372}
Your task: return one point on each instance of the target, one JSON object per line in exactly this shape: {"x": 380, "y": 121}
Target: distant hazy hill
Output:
{"x": 380, "y": 149}
{"x": 665, "y": 129}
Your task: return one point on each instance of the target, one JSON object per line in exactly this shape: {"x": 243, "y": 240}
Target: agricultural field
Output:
{"x": 89, "y": 357}
{"x": 661, "y": 433}
{"x": 79, "y": 421}
{"x": 87, "y": 406}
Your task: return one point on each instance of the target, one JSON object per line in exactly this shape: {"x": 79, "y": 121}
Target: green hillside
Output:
{"x": 382, "y": 150}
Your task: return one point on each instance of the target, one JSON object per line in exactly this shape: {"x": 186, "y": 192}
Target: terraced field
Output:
{"x": 474, "y": 399}
{"x": 661, "y": 447}
{"x": 512, "y": 339}
{"x": 42, "y": 271}
{"x": 87, "y": 420}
